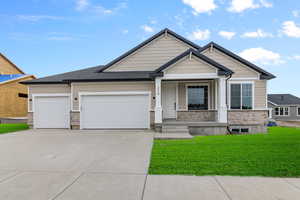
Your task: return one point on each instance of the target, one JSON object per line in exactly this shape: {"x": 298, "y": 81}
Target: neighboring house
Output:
{"x": 13, "y": 95}
{"x": 166, "y": 80}
{"x": 284, "y": 107}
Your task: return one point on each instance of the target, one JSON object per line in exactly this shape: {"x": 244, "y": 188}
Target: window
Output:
{"x": 282, "y": 111}
{"x": 241, "y": 96}
{"x": 244, "y": 130}
{"x": 197, "y": 97}
{"x": 22, "y": 95}
{"x": 298, "y": 111}
{"x": 235, "y": 131}
{"x": 239, "y": 130}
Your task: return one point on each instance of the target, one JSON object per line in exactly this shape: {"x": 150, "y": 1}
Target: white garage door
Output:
{"x": 51, "y": 112}
{"x": 114, "y": 111}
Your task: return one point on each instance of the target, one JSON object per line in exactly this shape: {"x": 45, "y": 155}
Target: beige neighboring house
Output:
{"x": 166, "y": 81}
{"x": 13, "y": 94}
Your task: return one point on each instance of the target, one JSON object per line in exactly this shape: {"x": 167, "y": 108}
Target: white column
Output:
{"x": 222, "y": 108}
{"x": 158, "y": 108}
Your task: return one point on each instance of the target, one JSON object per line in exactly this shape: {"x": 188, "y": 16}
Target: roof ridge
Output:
{"x": 147, "y": 41}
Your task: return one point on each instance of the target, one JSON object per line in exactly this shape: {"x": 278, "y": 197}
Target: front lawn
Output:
{"x": 7, "y": 128}
{"x": 273, "y": 154}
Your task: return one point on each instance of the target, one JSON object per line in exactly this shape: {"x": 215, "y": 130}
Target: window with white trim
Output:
{"x": 197, "y": 97}
{"x": 282, "y": 111}
{"x": 241, "y": 96}
{"x": 298, "y": 111}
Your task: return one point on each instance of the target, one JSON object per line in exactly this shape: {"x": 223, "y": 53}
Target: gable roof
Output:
{"x": 264, "y": 74}
{"x": 166, "y": 30}
{"x": 283, "y": 99}
{"x": 10, "y": 62}
{"x": 222, "y": 70}
{"x": 92, "y": 74}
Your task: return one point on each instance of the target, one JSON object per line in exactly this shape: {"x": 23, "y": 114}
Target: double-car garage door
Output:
{"x": 97, "y": 111}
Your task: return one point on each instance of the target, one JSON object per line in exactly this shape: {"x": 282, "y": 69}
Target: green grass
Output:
{"x": 276, "y": 154}
{"x": 8, "y": 128}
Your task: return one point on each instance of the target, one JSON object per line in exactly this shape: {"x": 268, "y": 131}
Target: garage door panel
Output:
{"x": 113, "y": 111}
{"x": 51, "y": 112}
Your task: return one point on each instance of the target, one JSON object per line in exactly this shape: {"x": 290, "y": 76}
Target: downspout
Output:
{"x": 228, "y": 128}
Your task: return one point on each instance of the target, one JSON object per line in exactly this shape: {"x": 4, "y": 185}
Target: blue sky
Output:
{"x": 47, "y": 37}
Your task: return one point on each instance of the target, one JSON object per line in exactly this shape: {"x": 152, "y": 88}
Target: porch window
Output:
{"x": 241, "y": 96}
{"x": 197, "y": 97}
{"x": 282, "y": 111}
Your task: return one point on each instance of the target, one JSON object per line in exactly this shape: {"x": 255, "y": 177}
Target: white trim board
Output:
{"x": 190, "y": 76}
{"x": 47, "y": 95}
{"x": 241, "y": 82}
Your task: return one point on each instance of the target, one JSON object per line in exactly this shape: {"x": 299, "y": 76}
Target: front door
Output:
{"x": 169, "y": 100}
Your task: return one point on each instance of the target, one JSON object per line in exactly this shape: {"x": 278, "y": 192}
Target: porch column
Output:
{"x": 222, "y": 108}
{"x": 158, "y": 108}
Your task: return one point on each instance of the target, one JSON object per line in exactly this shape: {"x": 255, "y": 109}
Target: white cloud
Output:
{"x": 227, "y": 34}
{"x": 294, "y": 57}
{"x": 35, "y": 18}
{"x": 125, "y": 31}
{"x": 261, "y": 56}
{"x": 60, "y": 38}
{"x": 82, "y": 4}
{"x": 296, "y": 13}
{"x": 147, "y": 28}
{"x": 85, "y": 5}
{"x": 200, "y": 35}
{"x": 201, "y": 6}
{"x": 242, "y": 5}
{"x": 290, "y": 29}
{"x": 259, "y": 33}
{"x": 153, "y": 21}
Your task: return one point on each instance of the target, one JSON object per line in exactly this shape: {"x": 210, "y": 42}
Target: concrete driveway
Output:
{"x": 77, "y": 165}
{"x": 63, "y": 164}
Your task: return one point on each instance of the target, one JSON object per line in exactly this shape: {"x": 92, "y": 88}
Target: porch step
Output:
{"x": 175, "y": 129}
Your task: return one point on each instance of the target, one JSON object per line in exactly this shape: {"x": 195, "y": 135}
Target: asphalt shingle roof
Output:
{"x": 283, "y": 99}
{"x": 92, "y": 74}
{"x": 97, "y": 74}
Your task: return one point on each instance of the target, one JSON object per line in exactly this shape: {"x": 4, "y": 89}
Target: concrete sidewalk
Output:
{"x": 220, "y": 188}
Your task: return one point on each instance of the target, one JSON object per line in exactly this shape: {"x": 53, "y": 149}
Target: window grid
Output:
{"x": 241, "y": 96}
{"x": 282, "y": 111}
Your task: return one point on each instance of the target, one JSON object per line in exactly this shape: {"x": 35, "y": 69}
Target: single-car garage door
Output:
{"x": 51, "y": 112}
{"x": 116, "y": 111}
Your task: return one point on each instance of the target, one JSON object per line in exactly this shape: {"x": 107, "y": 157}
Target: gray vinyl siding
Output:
{"x": 292, "y": 114}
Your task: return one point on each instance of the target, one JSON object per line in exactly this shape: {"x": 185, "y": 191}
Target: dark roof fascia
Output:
{"x": 222, "y": 70}
{"x": 152, "y": 76}
{"x": 107, "y": 80}
{"x": 264, "y": 74}
{"x": 42, "y": 82}
{"x": 168, "y": 31}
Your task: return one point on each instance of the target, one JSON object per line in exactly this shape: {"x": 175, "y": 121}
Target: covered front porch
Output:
{"x": 190, "y": 101}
